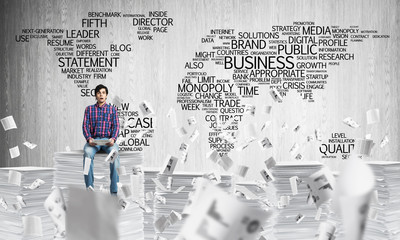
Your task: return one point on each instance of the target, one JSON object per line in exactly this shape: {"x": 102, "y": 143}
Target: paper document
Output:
{"x": 146, "y": 108}
{"x": 350, "y": 122}
{"x": 8, "y": 123}
{"x": 111, "y": 156}
{"x": 30, "y": 145}
{"x": 14, "y": 152}
{"x": 373, "y": 116}
{"x": 172, "y": 117}
{"x": 56, "y": 208}
{"x": 101, "y": 142}
{"x": 88, "y": 162}
{"x": 321, "y": 185}
{"x": 14, "y": 177}
{"x": 32, "y": 226}
{"x": 36, "y": 184}
{"x": 170, "y": 164}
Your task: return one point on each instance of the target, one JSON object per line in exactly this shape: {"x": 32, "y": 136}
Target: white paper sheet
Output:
{"x": 250, "y": 132}
{"x": 293, "y": 184}
{"x": 191, "y": 120}
{"x": 350, "y": 122}
{"x": 179, "y": 189}
{"x": 146, "y": 108}
{"x": 294, "y": 149}
{"x": 86, "y": 168}
{"x": 321, "y": 185}
{"x": 135, "y": 189}
{"x": 159, "y": 184}
{"x": 270, "y": 162}
{"x": 265, "y": 143}
{"x": 242, "y": 170}
{"x": 267, "y": 175}
{"x": 172, "y": 117}
{"x": 3, "y": 203}
{"x": 276, "y": 96}
{"x": 174, "y": 217}
{"x": 318, "y": 214}
{"x": 384, "y": 142}
{"x": 299, "y": 218}
{"x": 170, "y": 164}
{"x": 267, "y": 109}
{"x": 225, "y": 162}
{"x": 299, "y": 157}
{"x": 214, "y": 177}
{"x": 111, "y": 156}
{"x": 213, "y": 155}
{"x": 318, "y": 134}
{"x": 30, "y": 145}
{"x": 14, "y": 177}
{"x": 373, "y": 116}
{"x": 32, "y": 226}
{"x": 266, "y": 125}
{"x": 101, "y": 142}
{"x": 250, "y": 109}
{"x": 56, "y": 208}
{"x": 36, "y": 184}
{"x": 170, "y": 181}
{"x": 14, "y": 152}
{"x": 8, "y": 123}
{"x": 161, "y": 223}
{"x": 21, "y": 201}
{"x": 363, "y": 147}
{"x": 194, "y": 135}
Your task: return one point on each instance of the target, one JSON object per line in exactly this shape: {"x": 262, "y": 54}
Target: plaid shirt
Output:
{"x": 100, "y": 122}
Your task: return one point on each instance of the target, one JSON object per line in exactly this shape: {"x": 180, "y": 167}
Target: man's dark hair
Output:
{"x": 100, "y": 86}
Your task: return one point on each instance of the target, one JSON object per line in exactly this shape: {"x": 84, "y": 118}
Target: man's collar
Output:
{"x": 97, "y": 105}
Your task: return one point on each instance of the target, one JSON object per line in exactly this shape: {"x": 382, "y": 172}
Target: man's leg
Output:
{"x": 114, "y": 178}
{"x": 89, "y": 151}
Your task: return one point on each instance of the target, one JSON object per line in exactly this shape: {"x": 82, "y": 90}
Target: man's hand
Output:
{"x": 91, "y": 142}
{"x": 110, "y": 143}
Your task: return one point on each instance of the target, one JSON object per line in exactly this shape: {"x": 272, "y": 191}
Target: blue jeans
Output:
{"x": 89, "y": 152}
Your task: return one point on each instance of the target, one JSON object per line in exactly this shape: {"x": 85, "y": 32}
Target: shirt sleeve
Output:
{"x": 86, "y": 124}
{"x": 115, "y": 125}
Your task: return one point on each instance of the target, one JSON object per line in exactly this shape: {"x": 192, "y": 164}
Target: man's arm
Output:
{"x": 86, "y": 125}
{"x": 115, "y": 125}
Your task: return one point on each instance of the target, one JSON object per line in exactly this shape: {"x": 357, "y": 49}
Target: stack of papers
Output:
{"x": 176, "y": 201}
{"x": 97, "y": 220}
{"x": 131, "y": 219}
{"x": 69, "y": 172}
{"x": 23, "y": 191}
{"x": 256, "y": 196}
{"x": 218, "y": 215}
{"x": 296, "y": 219}
{"x": 384, "y": 212}
{"x": 149, "y": 190}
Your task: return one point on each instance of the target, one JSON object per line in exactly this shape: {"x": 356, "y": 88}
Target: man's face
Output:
{"x": 101, "y": 96}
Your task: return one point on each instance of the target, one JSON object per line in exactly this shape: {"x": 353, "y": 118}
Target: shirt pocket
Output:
{"x": 107, "y": 117}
